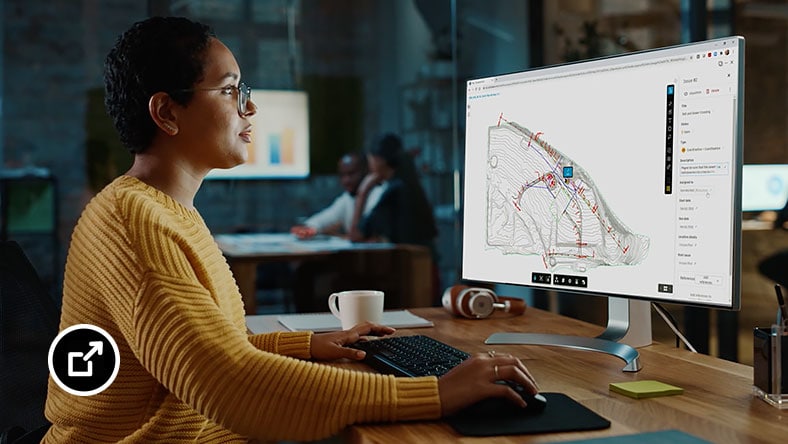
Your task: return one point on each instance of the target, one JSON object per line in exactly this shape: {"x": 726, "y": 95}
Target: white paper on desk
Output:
{"x": 328, "y": 322}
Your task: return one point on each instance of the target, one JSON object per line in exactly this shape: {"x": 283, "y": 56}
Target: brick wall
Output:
{"x": 53, "y": 55}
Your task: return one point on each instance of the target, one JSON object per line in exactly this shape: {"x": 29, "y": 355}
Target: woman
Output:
{"x": 403, "y": 214}
{"x": 143, "y": 266}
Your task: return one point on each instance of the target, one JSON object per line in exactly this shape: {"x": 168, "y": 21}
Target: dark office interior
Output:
{"x": 368, "y": 67}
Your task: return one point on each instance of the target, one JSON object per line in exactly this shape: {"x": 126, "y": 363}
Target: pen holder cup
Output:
{"x": 770, "y": 365}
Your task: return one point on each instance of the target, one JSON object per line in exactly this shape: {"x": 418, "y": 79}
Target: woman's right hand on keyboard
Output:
{"x": 475, "y": 379}
{"x": 331, "y": 346}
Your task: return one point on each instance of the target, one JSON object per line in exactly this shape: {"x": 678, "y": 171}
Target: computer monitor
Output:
{"x": 764, "y": 187}
{"x": 280, "y": 138}
{"x": 618, "y": 176}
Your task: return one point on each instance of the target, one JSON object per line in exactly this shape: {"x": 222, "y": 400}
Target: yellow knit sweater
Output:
{"x": 146, "y": 269}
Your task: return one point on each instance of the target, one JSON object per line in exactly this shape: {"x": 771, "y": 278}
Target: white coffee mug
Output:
{"x": 353, "y": 307}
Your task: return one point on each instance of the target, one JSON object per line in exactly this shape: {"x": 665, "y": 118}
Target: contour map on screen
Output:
{"x": 539, "y": 202}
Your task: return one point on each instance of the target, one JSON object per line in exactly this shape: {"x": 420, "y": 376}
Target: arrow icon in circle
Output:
{"x": 98, "y": 347}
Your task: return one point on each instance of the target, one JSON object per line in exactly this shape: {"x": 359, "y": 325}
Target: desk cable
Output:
{"x": 668, "y": 318}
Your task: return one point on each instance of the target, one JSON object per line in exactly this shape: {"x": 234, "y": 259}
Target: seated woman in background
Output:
{"x": 403, "y": 214}
{"x": 143, "y": 266}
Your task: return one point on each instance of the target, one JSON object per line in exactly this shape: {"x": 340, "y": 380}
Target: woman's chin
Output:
{"x": 239, "y": 158}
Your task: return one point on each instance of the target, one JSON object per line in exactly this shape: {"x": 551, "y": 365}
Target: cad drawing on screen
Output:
{"x": 566, "y": 220}
{"x": 618, "y": 177}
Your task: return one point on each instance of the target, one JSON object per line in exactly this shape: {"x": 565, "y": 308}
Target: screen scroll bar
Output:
{"x": 669, "y": 139}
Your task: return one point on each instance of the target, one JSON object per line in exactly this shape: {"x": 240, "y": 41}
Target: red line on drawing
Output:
{"x": 534, "y": 137}
{"x": 550, "y": 180}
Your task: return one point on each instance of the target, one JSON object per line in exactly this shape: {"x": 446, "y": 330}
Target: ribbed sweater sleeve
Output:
{"x": 148, "y": 271}
{"x": 289, "y": 343}
{"x": 257, "y": 393}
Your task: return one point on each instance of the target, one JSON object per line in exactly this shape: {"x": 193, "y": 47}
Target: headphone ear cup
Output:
{"x": 474, "y": 302}
{"x": 450, "y": 297}
{"x": 480, "y": 304}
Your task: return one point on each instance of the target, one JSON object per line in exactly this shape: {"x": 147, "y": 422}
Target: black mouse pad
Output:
{"x": 494, "y": 417}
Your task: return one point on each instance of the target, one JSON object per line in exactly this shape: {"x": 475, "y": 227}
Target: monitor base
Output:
{"x": 620, "y": 312}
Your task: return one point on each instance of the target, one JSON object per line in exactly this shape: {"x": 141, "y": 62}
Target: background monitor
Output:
{"x": 764, "y": 187}
{"x": 280, "y": 138}
{"x": 618, "y": 176}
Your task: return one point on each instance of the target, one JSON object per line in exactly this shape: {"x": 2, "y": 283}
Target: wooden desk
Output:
{"x": 408, "y": 268}
{"x": 717, "y": 404}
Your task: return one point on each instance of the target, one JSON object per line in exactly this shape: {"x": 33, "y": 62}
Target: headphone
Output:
{"x": 478, "y": 303}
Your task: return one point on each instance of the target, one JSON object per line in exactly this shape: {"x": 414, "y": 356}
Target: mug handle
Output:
{"x": 332, "y": 305}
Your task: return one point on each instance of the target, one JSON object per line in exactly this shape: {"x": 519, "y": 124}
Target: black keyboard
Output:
{"x": 410, "y": 355}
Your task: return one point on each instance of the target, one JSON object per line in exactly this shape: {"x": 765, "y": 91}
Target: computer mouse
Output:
{"x": 535, "y": 403}
{"x": 504, "y": 408}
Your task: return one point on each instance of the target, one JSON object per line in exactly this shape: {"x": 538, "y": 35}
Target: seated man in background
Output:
{"x": 314, "y": 280}
{"x": 336, "y": 219}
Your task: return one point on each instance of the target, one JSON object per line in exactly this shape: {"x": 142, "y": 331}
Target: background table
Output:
{"x": 403, "y": 272}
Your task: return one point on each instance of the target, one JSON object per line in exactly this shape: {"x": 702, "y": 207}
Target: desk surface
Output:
{"x": 717, "y": 404}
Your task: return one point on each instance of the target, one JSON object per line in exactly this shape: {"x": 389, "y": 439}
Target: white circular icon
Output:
{"x": 80, "y": 360}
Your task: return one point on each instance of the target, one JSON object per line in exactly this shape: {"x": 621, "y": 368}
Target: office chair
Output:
{"x": 29, "y": 320}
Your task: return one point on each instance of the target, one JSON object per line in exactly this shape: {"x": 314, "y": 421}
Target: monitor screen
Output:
{"x": 280, "y": 138}
{"x": 764, "y": 187}
{"x": 618, "y": 176}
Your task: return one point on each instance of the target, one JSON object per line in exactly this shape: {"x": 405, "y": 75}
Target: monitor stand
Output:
{"x": 628, "y": 326}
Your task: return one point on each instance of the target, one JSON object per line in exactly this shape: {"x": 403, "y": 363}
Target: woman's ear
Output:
{"x": 160, "y": 109}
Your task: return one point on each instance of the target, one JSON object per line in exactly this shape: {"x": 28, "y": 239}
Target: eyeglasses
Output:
{"x": 244, "y": 94}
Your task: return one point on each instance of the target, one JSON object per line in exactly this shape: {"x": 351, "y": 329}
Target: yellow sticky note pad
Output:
{"x": 645, "y": 389}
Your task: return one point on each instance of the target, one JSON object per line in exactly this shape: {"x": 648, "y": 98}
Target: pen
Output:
{"x": 781, "y": 301}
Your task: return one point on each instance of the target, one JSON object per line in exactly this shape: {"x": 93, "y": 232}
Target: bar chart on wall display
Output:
{"x": 280, "y": 138}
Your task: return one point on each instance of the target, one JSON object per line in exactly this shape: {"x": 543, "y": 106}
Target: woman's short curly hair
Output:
{"x": 159, "y": 54}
